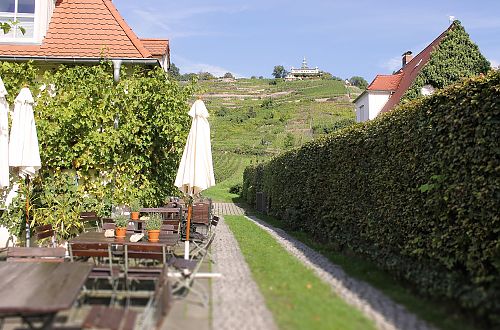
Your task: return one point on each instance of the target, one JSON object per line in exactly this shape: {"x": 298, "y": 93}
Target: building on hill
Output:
{"x": 449, "y": 58}
{"x": 75, "y": 31}
{"x": 303, "y": 73}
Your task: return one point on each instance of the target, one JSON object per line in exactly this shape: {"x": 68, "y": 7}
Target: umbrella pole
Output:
{"x": 188, "y": 229}
{"x": 27, "y": 211}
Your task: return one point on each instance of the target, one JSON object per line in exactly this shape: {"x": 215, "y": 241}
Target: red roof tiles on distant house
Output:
{"x": 157, "y": 47}
{"x": 385, "y": 82}
{"x": 86, "y": 29}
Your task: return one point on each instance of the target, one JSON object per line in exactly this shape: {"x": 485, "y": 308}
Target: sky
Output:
{"x": 345, "y": 38}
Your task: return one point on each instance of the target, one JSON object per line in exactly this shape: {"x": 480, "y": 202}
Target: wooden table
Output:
{"x": 29, "y": 290}
{"x": 168, "y": 240}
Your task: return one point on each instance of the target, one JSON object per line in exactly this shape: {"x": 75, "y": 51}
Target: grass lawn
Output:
{"x": 296, "y": 297}
{"x": 441, "y": 315}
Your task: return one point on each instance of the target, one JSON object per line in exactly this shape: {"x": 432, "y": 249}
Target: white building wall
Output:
{"x": 361, "y": 107}
{"x": 377, "y": 101}
{"x": 369, "y": 105}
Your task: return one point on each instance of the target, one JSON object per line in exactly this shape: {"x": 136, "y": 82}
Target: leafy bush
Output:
{"x": 154, "y": 222}
{"x": 85, "y": 156}
{"x": 416, "y": 191}
{"x": 121, "y": 221}
{"x": 236, "y": 189}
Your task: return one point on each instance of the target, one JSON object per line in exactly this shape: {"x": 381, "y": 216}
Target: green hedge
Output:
{"x": 417, "y": 191}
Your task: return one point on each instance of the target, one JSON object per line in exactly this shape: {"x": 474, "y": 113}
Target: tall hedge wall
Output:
{"x": 417, "y": 191}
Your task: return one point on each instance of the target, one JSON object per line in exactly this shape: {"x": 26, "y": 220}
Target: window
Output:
{"x": 22, "y": 11}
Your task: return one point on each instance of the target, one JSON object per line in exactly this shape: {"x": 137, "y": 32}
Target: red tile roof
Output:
{"x": 411, "y": 70}
{"x": 385, "y": 82}
{"x": 84, "y": 28}
{"x": 157, "y": 47}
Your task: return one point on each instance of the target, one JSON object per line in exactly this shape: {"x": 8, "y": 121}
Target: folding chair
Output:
{"x": 184, "y": 277}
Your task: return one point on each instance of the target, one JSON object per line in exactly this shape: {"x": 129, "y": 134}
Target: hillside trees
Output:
{"x": 279, "y": 72}
{"x": 358, "y": 82}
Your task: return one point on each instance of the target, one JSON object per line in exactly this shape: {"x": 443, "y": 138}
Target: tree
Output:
{"x": 279, "y": 72}
{"x": 174, "y": 72}
{"x": 228, "y": 75}
{"x": 206, "y": 76}
{"x": 358, "y": 82}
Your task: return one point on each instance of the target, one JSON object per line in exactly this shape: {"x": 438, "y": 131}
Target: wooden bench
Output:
{"x": 35, "y": 254}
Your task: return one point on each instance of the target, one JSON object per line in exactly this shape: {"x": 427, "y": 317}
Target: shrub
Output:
{"x": 154, "y": 222}
{"x": 416, "y": 191}
{"x": 121, "y": 221}
{"x": 236, "y": 189}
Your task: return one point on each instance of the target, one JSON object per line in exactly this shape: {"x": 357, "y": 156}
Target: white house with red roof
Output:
{"x": 385, "y": 91}
{"x": 75, "y": 31}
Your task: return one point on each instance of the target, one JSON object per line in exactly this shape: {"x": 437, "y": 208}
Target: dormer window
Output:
{"x": 22, "y": 11}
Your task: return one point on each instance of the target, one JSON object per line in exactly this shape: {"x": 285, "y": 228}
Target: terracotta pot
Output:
{"x": 134, "y": 215}
{"x": 153, "y": 235}
{"x": 120, "y": 232}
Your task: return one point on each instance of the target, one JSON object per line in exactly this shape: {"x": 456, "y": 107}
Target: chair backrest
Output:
{"x": 201, "y": 213}
{"x": 144, "y": 251}
{"x": 163, "y": 299}
{"x": 45, "y": 231}
{"x": 36, "y": 254}
{"x": 174, "y": 223}
{"x": 167, "y": 229}
{"x": 89, "y": 250}
{"x": 90, "y": 220}
{"x": 108, "y": 225}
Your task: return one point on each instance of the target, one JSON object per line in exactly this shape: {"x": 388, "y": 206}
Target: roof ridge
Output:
{"x": 126, "y": 28}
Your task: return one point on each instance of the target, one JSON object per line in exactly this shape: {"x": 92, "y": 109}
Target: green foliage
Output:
{"x": 236, "y": 189}
{"x": 455, "y": 58}
{"x": 359, "y": 82}
{"x": 173, "y": 71}
{"x": 267, "y": 103}
{"x": 279, "y": 72}
{"x": 121, "y": 221}
{"x": 415, "y": 191}
{"x": 289, "y": 141}
{"x": 75, "y": 113}
{"x": 154, "y": 222}
{"x": 228, "y": 75}
{"x": 327, "y": 128}
{"x": 9, "y": 25}
{"x": 135, "y": 205}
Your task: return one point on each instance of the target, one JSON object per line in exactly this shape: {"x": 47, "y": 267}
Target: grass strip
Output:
{"x": 297, "y": 298}
{"x": 442, "y": 315}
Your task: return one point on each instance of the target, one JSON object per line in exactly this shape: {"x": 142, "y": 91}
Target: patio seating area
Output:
{"x": 115, "y": 283}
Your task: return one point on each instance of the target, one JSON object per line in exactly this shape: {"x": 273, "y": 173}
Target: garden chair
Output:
{"x": 159, "y": 304}
{"x": 102, "y": 271}
{"x": 202, "y": 249}
{"x": 106, "y": 317}
{"x": 90, "y": 220}
{"x": 184, "y": 278}
{"x": 35, "y": 254}
{"x": 45, "y": 232}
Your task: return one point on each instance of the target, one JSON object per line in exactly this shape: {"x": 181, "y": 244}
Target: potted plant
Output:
{"x": 135, "y": 206}
{"x": 121, "y": 222}
{"x": 153, "y": 225}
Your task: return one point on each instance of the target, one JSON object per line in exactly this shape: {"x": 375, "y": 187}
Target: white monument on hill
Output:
{"x": 303, "y": 73}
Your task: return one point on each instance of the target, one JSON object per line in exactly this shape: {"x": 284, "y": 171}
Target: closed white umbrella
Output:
{"x": 196, "y": 172}
{"x": 23, "y": 148}
{"x": 4, "y": 137}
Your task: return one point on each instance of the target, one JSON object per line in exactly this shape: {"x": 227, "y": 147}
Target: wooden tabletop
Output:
{"x": 40, "y": 287}
{"x": 98, "y": 237}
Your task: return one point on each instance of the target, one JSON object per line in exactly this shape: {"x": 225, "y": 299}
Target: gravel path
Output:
{"x": 385, "y": 313}
{"x": 237, "y": 301}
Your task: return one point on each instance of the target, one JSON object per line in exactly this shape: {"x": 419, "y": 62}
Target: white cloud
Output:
{"x": 392, "y": 64}
{"x": 188, "y": 66}
{"x": 494, "y": 63}
{"x": 182, "y": 22}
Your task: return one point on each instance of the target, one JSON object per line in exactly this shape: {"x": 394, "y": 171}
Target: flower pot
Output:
{"x": 134, "y": 215}
{"x": 120, "y": 232}
{"x": 153, "y": 235}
